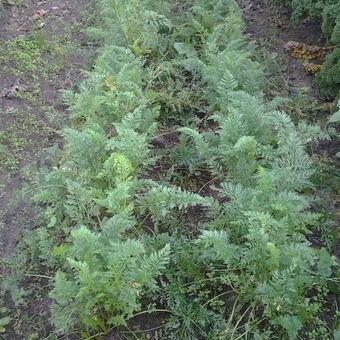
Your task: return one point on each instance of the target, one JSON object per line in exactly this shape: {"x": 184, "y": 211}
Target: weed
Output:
{"x": 16, "y": 136}
{"x": 5, "y": 319}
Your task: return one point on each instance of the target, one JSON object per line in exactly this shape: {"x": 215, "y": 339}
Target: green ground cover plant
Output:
{"x": 229, "y": 260}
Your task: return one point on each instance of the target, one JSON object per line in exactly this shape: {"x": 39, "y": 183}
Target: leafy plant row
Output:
{"x": 213, "y": 245}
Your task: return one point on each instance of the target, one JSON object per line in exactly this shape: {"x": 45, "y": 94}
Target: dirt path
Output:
{"x": 271, "y": 27}
{"x": 41, "y": 53}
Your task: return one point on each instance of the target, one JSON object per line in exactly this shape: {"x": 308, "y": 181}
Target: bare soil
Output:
{"x": 31, "y": 116}
{"x": 55, "y": 22}
{"x": 272, "y": 28}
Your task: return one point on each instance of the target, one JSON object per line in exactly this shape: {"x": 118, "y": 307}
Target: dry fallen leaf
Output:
{"x": 328, "y": 107}
{"x": 306, "y": 52}
{"x": 311, "y": 67}
{"x": 39, "y": 14}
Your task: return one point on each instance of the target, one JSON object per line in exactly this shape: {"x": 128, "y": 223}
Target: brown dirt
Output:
{"x": 17, "y": 213}
{"x": 272, "y": 28}
{"x": 31, "y": 124}
{"x": 34, "y": 121}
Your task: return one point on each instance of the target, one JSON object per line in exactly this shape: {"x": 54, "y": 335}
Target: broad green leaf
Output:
{"x": 5, "y": 321}
{"x": 337, "y": 335}
{"x": 335, "y": 117}
{"x": 53, "y": 222}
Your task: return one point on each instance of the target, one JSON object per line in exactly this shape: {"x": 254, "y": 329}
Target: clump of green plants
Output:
{"x": 22, "y": 55}
{"x": 25, "y": 59}
{"x": 328, "y": 79}
{"x": 5, "y": 319}
{"x": 328, "y": 11}
{"x": 109, "y": 279}
{"x": 228, "y": 260}
{"x": 16, "y": 136}
{"x": 5, "y": 314}
{"x": 22, "y": 58}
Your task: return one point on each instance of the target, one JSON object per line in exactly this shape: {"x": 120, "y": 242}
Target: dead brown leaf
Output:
{"x": 329, "y": 107}
{"x": 306, "y": 52}
{"x": 39, "y": 14}
{"x": 311, "y": 67}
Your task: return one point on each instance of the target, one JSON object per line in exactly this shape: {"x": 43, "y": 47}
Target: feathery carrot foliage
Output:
{"x": 123, "y": 239}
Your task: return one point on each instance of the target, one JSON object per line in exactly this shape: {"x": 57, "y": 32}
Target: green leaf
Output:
{"x": 3, "y": 310}
{"x": 291, "y": 324}
{"x": 53, "y": 222}
{"x": 274, "y": 252}
{"x": 325, "y": 263}
{"x": 60, "y": 250}
{"x": 335, "y": 117}
{"x": 4, "y": 322}
{"x": 185, "y": 49}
